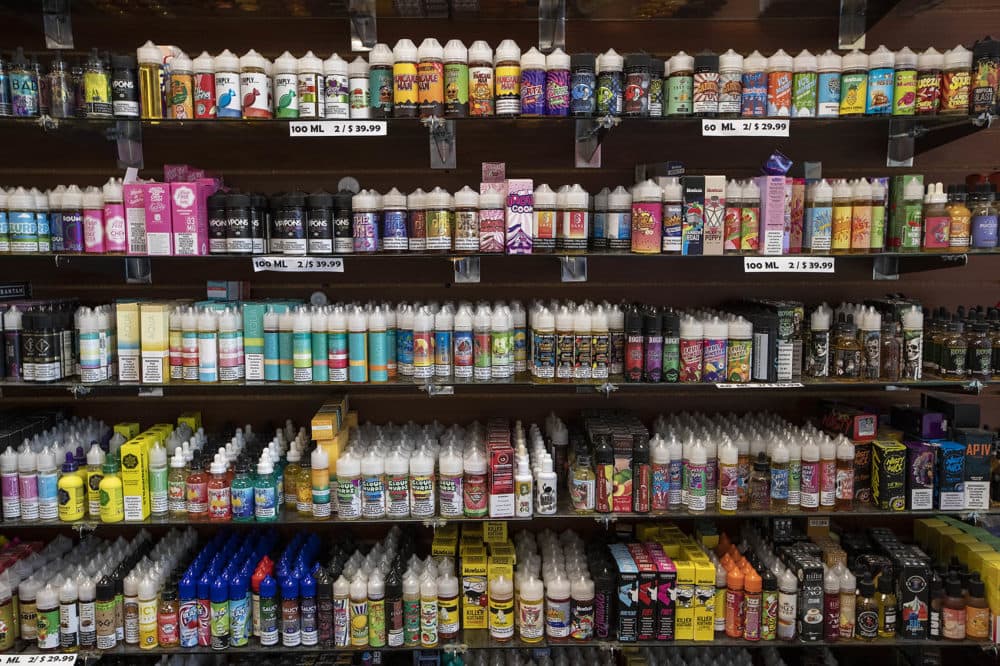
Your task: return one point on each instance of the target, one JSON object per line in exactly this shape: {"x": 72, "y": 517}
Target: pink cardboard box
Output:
{"x": 798, "y": 215}
{"x": 772, "y": 213}
{"x": 715, "y": 212}
{"x": 520, "y": 215}
{"x": 159, "y": 233}
{"x": 134, "y": 197}
{"x": 190, "y": 216}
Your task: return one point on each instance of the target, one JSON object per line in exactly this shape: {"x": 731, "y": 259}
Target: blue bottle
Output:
{"x": 239, "y": 611}
{"x": 881, "y": 80}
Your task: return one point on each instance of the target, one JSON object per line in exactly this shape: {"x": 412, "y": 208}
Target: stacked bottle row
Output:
{"x": 837, "y": 215}
{"x": 965, "y": 343}
{"x": 455, "y": 82}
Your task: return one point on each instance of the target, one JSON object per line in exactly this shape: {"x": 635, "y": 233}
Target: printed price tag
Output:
{"x": 761, "y": 385}
{"x": 788, "y": 264}
{"x": 338, "y": 128}
{"x": 744, "y": 127}
{"x": 280, "y": 264}
{"x": 37, "y": 659}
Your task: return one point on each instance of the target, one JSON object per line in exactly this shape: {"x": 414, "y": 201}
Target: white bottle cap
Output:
{"x": 601, "y": 199}
{"x": 958, "y": 57}
{"x": 878, "y": 190}
{"x": 364, "y": 200}
{"x": 730, "y": 60}
{"x": 755, "y": 62}
{"x": 394, "y": 199}
{"x": 621, "y": 199}
{"x": 203, "y": 64}
{"x": 439, "y": 199}
{"x": 805, "y": 62}
{"x": 72, "y": 198}
{"x": 715, "y": 329}
{"x": 829, "y": 61}
{"x": 750, "y": 190}
{"x": 149, "y": 53}
{"x": 455, "y": 51}
{"x": 404, "y": 51}
{"x": 466, "y": 198}
{"x": 577, "y": 197}
{"x": 647, "y": 190}
{"x": 430, "y": 49}
{"x": 492, "y": 200}
{"x": 335, "y": 65}
{"x": 358, "y": 67}
{"x": 740, "y": 329}
{"x": 227, "y": 62}
{"x": 734, "y": 191}
{"x": 779, "y": 62}
{"x": 93, "y": 198}
{"x": 416, "y": 200}
{"x": 508, "y": 50}
{"x": 855, "y": 60}
{"x": 310, "y": 63}
{"x": 286, "y": 63}
{"x": 823, "y": 192}
{"x": 558, "y": 59}
{"x": 611, "y": 61}
{"x": 544, "y": 197}
{"x": 691, "y": 328}
{"x": 672, "y": 189}
{"x": 380, "y": 54}
{"x": 681, "y": 62}
{"x": 532, "y": 59}
{"x": 913, "y": 190}
{"x": 930, "y": 59}
{"x": 480, "y": 51}
{"x": 181, "y": 63}
{"x": 906, "y": 59}
{"x": 881, "y": 57}
{"x": 842, "y": 189}
{"x": 861, "y": 189}
{"x": 251, "y": 59}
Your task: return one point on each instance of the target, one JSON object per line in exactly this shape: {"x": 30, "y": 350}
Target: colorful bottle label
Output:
{"x": 738, "y": 360}
{"x": 779, "y": 94}
{"x": 583, "y": 100}
{"x": 636, "y": 93}
{"x": 430, "y": 87}
{"x": 730, "y": 92}
{"x": 691, "y": 359}
{"x": 309, "y": 89}
{"x": 928, "y": 92}
{"x": 610, "y": 93}
{"x": 557, "y": 95}
{"x": 937, "y": 231}
{"x": 532, "y": 92}
{"x": 804, "y": 94}
{"x": 481, "y": 91}
{"x": 404, "y": 88}
{"x": 337, "y": 96}
{"x": 853, "y": 93}
{"x": 673, "y": 227}
{"x": 754, "y": 98}
{"x": 680, "y": 94}
{"x": 904, "y": 93}
{"x": 880, "y": 86}
{"x": 828, "y": 95}
{"x": 456, "y": 90}
{"x": 955, "y": 90}
{"x": 508, "y": 89}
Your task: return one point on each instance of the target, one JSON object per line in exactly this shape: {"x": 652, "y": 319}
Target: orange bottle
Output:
{"x": 734, "y": 602}
{"x": 752, "y": 598}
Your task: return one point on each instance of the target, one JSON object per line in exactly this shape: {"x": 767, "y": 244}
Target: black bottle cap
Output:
{"x": 343, "y": 199}
{"x": 217, "y": 200}
{"x": 977, "y": 588}
{"x": 19, "y": 60}
{"x": 582, "y": 61}
{"x": 258, "y": 200}
{"x": 125, "y": 61}
{"x": 770, "y": 582}
{"x": 652, "y": 322}
{"x": 320, "y": 199}
{"x": 865, "y": 586}
{"x": 237, "y": 200}
{"x": 633, "y": 320}
{"x": 295, "y": 200}
{"x": 885, "y": 583}
{"x": 637, "y": 60}
{"x": 707, "y": 60}
{"x": 953, "y": 587}
{"x": 656, "y": 68}
{"x": 761, "y": 464}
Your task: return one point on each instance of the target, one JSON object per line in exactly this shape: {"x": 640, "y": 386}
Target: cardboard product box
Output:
{"x": 189, "y": 215}
{"x": 809, "y": 620}
{"x": 520, "y": 216}
{"x": 798, "y": 212}
{"x": 622, "y": 495}
{"x": 715, "y": 212}
{"x": 959, "y": 412}
{"x": 917, "y": 422}
{"x": 155, "y": 338}
{"x": 693, "y": 226}
{"x": 863, "y": 473}
{"x": 666, "y": 583}
{"x": 979, "y": 447}
{"x": 899, "y": 234}
{"x": 135, "y": 477}
{"x": 475, "y": 597}
{"x": 921, "y": 463}
{"x": 889, "y": 475}
{"x": 134, "y": 200}
{"x": 684, "y": 604}
{"x": 192, "y": 419}
{"x": 159, "y": 228}
{"x": 913, "y": 575}
{"x": 772, "y": 214}
{"x": 704, "y": 597}
{"x": 950, "y": 476}
{"x": 856, "y": 424}
{"x": 501, "y": 474}
{"x": 628, "y": 593}
{"x": 127, "y": 430}
{"x": 129, "y": 341}
{"x": 647, "y": 596}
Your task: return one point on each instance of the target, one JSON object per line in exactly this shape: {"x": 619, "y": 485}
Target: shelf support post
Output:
{"x": 363, "y": 24}
{"x": 853, "y": 17}
{"x": 551, "y": 25}
{"x": 466, "y": 270}
{"x": 443, "y": 139}
{"x": 57, "y": 24}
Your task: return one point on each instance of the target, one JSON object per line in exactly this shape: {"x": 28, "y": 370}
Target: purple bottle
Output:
{"x": 652, "y": 343}
{"x": 532, "y": 83}
{"x": 557, "y": 83}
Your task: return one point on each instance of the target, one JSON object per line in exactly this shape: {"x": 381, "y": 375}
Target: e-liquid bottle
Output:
{"x": 557, "y": 83}
{"x": 657, "y": 90}
{"x": 779, "y": 84}
{"x": 928, "y": 91}
{"x": 854, "y": 84}
{"x": 672, "y": 215}
{"x": 404, "y": 80}
{"x": 828, "y": 85}
{"x": 150, "y": 81}
{"x": 430, "y": 78}
{"x": 380, "y": 94}
{"x": 638, "y": 79}
{"x": 357, "y": 89}
{"x": 532, "y": 83}
{"x": 861, "y": 216}
{"x": 956, "y": 80}
{"x": 881, "y": 73}
{"x": 730, "y": 84}
{"x": 254, "y": 85}
{"x": 804, "y": 85}
{"x": 507, "y": 73}
{"x": 286, "y": 85}
{"x": 180, "y": 97}
{"x": 308, "y": 86}
{"x": 336, "y": 87}
{"x": 753, "y": 102}
{"x": 610, "y": 84}
{"x": 904, "y": 90}
{"x": 583, "y": 85}
{"x": 456, "y": 80}
{"x": 705, "y": 100}
{"x": 671, "y": 346}
{"x": 646, "y": 218}
{"x": 680, "y": 85}
{"x": 480, "y": 83}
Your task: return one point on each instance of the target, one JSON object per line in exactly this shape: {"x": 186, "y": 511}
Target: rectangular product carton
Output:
{"x": 715, "y": 212}
{"x": 189, "y": 205}
{"x": 978, "y": 457}
{"x": 159, "y": 230}
{"x": 889, "y": 475}
{"x": 950, "y": 476}
{"x": 921, "y": 461}
{"x": 501, "y": 474}
{"x": 684, "y": 625}
{"x": 693, "y": 225}
{"x": 665, "y": 585}
{"x": 134, "y": 199}
{"x": 129, "y": 341}
{"x": 628, "y": 590}
{"x": 918, "y": 422}
{"x": 798, "y": 210}
{"x": 648, "y": 598}
{"x": 135, "y": 476}
{"x": 704, "y": 597}
{"x": 155, "y": 335}
{"x": 475, "y": 599}
{"x": 772, "y": 214}
{"x": 863, "y": 472}
{"x": 520, "y": 213}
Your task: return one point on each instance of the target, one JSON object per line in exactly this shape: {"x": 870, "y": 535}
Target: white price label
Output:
{"x": 37, "y": 659}
{"x": 761, "y": 385}
{"x": 788, "y": 264}
{"x": 744, "y": 127}
{"x": 280, "y": 264}
{"x": 338, "y": 128}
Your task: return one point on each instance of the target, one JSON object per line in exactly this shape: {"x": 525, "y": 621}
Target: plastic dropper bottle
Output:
{"x": 845, "y": 475}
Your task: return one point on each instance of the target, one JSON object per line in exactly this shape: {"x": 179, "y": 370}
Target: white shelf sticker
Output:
{"x": 281, "y": 264}
{"x": 37, "y": 659}
{"x": 338, "y": 128}
{"x": 761, "y": 385}
{"x": 788, "y": 264}
{"x": 744, "y": 127}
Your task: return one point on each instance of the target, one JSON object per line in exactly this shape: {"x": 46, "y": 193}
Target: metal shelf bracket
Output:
{"x": 573, "y": 269}
{"x": 590, "y": 134}
{"x": 442, "y": 137}
{"x": 466, "y": 270}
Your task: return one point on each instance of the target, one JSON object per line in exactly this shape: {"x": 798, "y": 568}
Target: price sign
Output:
{"x": 37, "y": 659}
{"x": 761, "y": 385}
{"x": 788, "y": 264}
{"x": 338, "y": 128}
{"x": 280, "y": 264}
{"x": 744, "y": 127}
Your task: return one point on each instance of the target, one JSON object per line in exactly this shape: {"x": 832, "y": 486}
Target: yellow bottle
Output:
{"x": 293, "y": 471}
{"x": 842, "y": 217}
{"x": 95, "y": 458}
{"x": 70, "y": 492}
{"x": 304, "y": 505}
{"x": 150, "y": 80}
{"x": 112, "y": 497}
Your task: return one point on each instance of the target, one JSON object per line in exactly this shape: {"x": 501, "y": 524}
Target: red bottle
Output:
{"x": 197, "y": 491}
{"x": 219, "y": 494}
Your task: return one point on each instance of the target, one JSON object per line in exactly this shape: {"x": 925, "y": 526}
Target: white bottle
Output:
{"x": 397, "y": 474}
{"x": 11, "y": 489}
{"x": 450, "y": 478}
{"x": 546, "y": 489}
{"x": 523, "y": 494}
